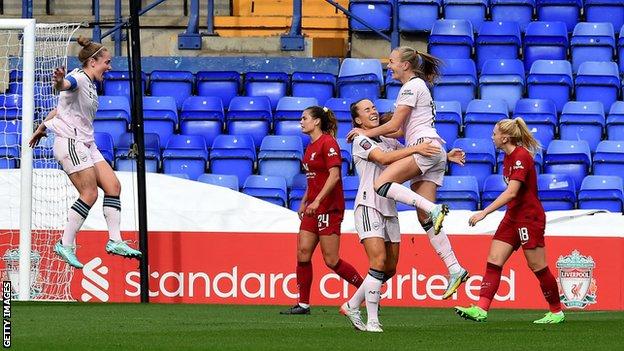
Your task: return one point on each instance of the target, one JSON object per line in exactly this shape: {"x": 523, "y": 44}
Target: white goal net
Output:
{"x": 31, "y": 177}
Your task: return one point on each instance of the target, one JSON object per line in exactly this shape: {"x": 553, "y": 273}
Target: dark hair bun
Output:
{"x": 83, "y": 41}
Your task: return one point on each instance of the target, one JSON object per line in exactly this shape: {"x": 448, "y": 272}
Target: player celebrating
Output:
{"x": 523, "y": 224}
{"x": 414, "y": 116}
{"x": 75, "y": 149}
{"x": 322, "y": 206}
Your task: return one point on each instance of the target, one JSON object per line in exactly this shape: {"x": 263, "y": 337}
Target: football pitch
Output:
{"x": 79, "y": 326}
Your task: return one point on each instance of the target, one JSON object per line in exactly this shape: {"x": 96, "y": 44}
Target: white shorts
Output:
{"x": 369, "y": 223}
{"x": 432, "y": 168}
{"x": 74, "y": 155}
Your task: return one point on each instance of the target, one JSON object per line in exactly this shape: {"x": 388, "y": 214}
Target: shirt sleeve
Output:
{"x": 520, "y": 167}
{"x": 362, "y": 147}
{"x": 331, "y": 153}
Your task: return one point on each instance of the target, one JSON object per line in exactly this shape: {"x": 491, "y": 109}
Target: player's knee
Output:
{"x": 378, "y": 262}
{"x": 89, "y": 195}
{"x": 115, "y": 188}
{"x": 536, "y": 265}
{"x": 331, "y": 261}
{"x": 495, "y": 259}
{"x": 304, "y": 255}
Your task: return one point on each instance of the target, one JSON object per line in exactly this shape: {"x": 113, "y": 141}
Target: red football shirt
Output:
{"x": 319, "y": 157}
{"x": 519, "y": 165}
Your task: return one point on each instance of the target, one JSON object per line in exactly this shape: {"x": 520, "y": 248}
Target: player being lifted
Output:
{"x": 523, "y": 224}
{"x": 75, "y": 149}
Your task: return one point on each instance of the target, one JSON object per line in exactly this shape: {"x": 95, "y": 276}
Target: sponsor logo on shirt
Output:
{"x": 518, "y": 165}
{"x": 332, "y": 152}
{"x": 407, "y": 92}
{"x": 312, "y": 156}
{"x": 365, "y": 144}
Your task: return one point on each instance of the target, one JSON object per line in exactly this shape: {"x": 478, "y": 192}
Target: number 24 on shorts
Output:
{"x": 323, "y": 221}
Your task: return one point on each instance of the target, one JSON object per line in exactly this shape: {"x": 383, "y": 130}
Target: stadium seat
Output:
{"x": 287, "y": 118}
{"x": 320, "y": 86}
{"x": 451, "y": 39}
{"x": 161, "y": 116}
{"x": 125, "y": 158}
{"x": 459, "y": 193}
{"x": 11, "y": 126}
{"x": 471, "y": 10}
{"x": 457, "y": 82}
{"x": 223, "y": 180}
{"x": 481, "y": 116}
{"x": 540, "y": 116}
{"x": 556, "y": 192}
{"x": 342, "y": 111}
{"x": 448, "y": 121}
{"x": 497, "y": 40}
{"x": 493, "y": 186}
{"x": 602, "y": 192}
{"x": 179, "y": 175}
{"x": 502, "y": 79}
{"x": 280, "y": 155}
{"x": 480, "y": 159}
{"x": 598, "y": 81}
{"x": 298, "y": 188}
{"x": 592, "y": 42}
{"x": 418, "y": 15}
{"x": 582, "y": 121}
{"x": 611, "y": 11}
{"x": 15, "y": 82}
{"x": 225, "y": 85}
{"x": 566, "y": 11}
{"x": 202, "y": 115}
{"x": 249, "y": 115}
{"x": 113, "y": 116}
{"x": 177, "y": 84}
{"x": 346, "y": 156}
{"x": 350, "y": 185}
{"x": 551, "y": 79}
{"x": 118, "y": 83}
{"x": 545, "y": 41}
{"x": 360, "y": 78}
{"x": 233, "y": 154}
{"x": 392, "y": 85}
{"x": 384, "y": 105}
{"x": 570, "y": 157}
{"x": 104, "y": 142}
{"x": 186, "y": 154}
{"x": 609, "y": 158}
{"x": 519, "y": 11}
{"x": 10, "y": 106}
{"x": 9, "y": 150}
{"x": 376, "y": 13}
{"x": 268, "y": 188}
{"x": 273, "y": 85}
{"x": 45, "y": 97}
{"x": 615, "y": 121}
{"x": 621, "y": 51}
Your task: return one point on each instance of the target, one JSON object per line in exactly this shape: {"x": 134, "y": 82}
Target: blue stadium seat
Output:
{"x": 471, "y": 10}
{"x": 113, "y": 116}
{"x": 545, "y": 41}
{"x": 268, "y": 188}
{"x": 179, "y": 175}
{"x": 611, "y": 11}
{"x": 118, "y": 83}
{"x": 346, "y": 156}
{"x": 280, "y": 155}
{"x": 249, "y": 115}
{"x": 457, "y": 82}
{"x": 104, "y": 142}
{"x": 178, "y": 84}
{"x": 45, "y": 97}
{"x": 44, "y": 149}
{"x": 581, "y": 120}
{"x": 273, "y": 85}
{"x": 225, "y": 85}
{"x": 556, "y": 192}
{"x": 602, "y": 192}
{"x": 609, "y": 158}
{"x": 621, "y": 50}
{"x": 448, "y": 121}
{"x": 418, "y": 15}
{"x": 493, "y": 186}
{"x": 298, "y": 188}
{"x": 9, "y": 150}
{"x": 393, "y": 86}
{"x": 15, "y": 82}
{"x": 540, "y": 116}
{"x": 10, "y": 106}
{"x": 538, "y": 160}
{"x": 551, "y": 79}
{"x": 615, "y": 121}
{"x": 377, "y": 13}
{"x": 497, "y": 40}
{"x": 481, "y": 116}
{"x": 480, "y": 159}
{"x": 384, "y": 105}
{"x": 233, "y": 154}
{"x": 451, "y": 39}
{"x": 11, "y": 126}
{"x": 161, "y": 116}
{"x": 186, "y": 154}
{"x": 570, "y": 157}
{"x": 598, "y": 81}
{"x": 502, "y": 79}
{"x": 202, "y": 115}
{"x": 125, "y": 160}
{"x": 342, "y": 110}
{"x": 592, "y": 42}
{"x": 566, "y": 11}
{"x": 519, "y": 11}
{"x": 350, "y": 186}
{"x": 360, "y": 78}
{"x": 287, "y": 116}
{"x": 459, "y": 193}
{"x": 43, "y": 154}
{"x": 320, "y": 86}
{"x": 224, "y": 180}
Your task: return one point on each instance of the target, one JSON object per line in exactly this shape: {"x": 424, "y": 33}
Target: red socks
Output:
{"x": 348, "y": 273}
{"x": 304, "y": 281}
{"x": 549, "y": 289}
{"x": 489, "y": 285}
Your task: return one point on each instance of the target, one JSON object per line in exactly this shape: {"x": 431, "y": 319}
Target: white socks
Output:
{"x": 112, "y": 213}
{"x": 442, "y": 247}
{"x": 370, "y": 290}
{"x": 75, "y": 217}
{"x": 403, "y": 194}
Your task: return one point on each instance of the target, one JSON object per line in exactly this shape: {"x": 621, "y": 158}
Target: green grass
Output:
{"x": 79, "y": 326}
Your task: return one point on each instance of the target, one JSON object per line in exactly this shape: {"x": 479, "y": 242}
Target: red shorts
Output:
{"x": 323, "y": 223}
{"x": 529, "y": 235}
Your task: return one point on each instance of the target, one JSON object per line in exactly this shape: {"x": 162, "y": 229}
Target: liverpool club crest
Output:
{"x": 577, "y": 287}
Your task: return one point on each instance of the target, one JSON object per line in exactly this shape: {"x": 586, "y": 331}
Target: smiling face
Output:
{"x": 368, "y": 116}
{"x": 499, "y": 138}
{"x": 100, "y": 64}
{"x": 309, "y": 123}
{"x": 398, "y": 68}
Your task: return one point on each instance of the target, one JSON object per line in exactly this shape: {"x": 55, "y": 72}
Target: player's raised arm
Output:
{"x": 60, "y": 82}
